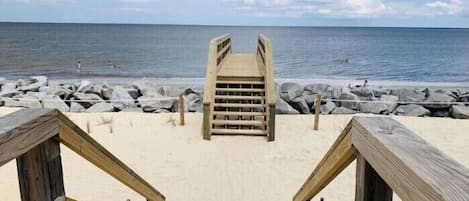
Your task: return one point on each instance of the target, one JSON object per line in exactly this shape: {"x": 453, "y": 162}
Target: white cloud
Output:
{"x": 450, "y": 7}
{"x": 346, "y": 8}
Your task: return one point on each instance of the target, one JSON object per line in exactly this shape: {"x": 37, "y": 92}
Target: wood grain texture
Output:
{"x": 25, "y": 129}
{"x": 317, "y": 112}
{"x": 81, "y": 143}
{"x": 181, "y": 110}
{"x": 40, "y": 173}
{"x": 369, "y": 185}
{"x": 414, "y": 169}
{"x": 271, "y": 123}
{"x": 339, "y": 156}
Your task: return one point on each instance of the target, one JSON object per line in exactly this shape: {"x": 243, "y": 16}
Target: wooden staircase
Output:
{"x": 239, "y": 108}
{"x": 239, "y": 96}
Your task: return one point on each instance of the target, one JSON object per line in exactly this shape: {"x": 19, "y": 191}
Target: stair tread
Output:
{"x": 239, "y": 97}
{"x": 240, "y": 89}
{"x": 239, "y": 113}
{"x": 239, "y": 82}
{"x": 239, "y": 132}
{"x": 239, "y": 122}
{"x": 238, "y": 105}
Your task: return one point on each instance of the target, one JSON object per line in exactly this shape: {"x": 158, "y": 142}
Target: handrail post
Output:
{"x": 369, "y": 185}
{"x": 181, "y": 110}
{"x": 40, "y": 173}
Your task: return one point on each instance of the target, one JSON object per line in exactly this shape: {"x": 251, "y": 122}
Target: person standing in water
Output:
{"x": 78, "y": 67}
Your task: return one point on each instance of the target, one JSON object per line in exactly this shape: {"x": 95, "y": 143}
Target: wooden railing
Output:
{"x": 264, "y": 57}
{"x": 32, "y": 136}
{"x": 390, "y": 158}
{"x": 218, "y": 51}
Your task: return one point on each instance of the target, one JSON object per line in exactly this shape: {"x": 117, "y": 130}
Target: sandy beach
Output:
{"x": 182, "y": 166}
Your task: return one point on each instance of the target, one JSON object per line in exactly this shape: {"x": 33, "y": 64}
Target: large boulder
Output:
{"x": 76, "y": 107}
{"x": 333, "y": 92}
{"x": 363, "y": 92}
{"x": 282, "y": 107}
{"x": 26, "y": 102}
{"x": 385, "y": 105}
{"x": 460, "y": 112}
{"x": 193, "y": 102}
{"x": 87, "y": 100}
{"x": 463, "y": 98}
{"x": 84, "y": 86}
{"x": 9, "y": 90}
{"x": 147, "y": 88}
{"x": 290, "y": 91}
{"x": 171, "y": 91}
{"x": 409, "y": 95}
{"x": 412, "y": 110}
{"x": 62, "y": 92}
{"x": 444, "y": 112}
{"x": 152, "y": 104}
{"x": 36, "y": 83}
{"x": 300, "y": 104}
{"x": 23, "y": 82}
{"x": 54, "y": 102}
{"x": 316, "y": 88}
{"x": 121, "y": 99}
{"x": 439, "y": 101}
{"x": 327, "y": 108}
{"x": 349, "y": 100}
{"x": 100, "y": 107}
{"x": 343, "y": 110}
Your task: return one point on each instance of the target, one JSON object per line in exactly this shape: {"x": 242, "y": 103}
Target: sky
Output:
{"x": 387, "y": 13}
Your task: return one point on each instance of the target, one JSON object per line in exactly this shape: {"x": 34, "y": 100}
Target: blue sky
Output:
{"x": 407, "y": 13}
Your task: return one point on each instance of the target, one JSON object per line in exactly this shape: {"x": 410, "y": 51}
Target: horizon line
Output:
{"x": 234, "y": 25}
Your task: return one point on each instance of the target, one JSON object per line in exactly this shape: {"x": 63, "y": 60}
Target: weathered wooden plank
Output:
{"x": 24, "y": 130}
{"x": 207, "y": 122}
{"x": 80, "y": 142}
{"x": 339, "y": 156}
{"x": 181, "y": 110}
{"x": 369, "y": 185}
{"x": 414, "y": 169}
{"x": 271, "y": 123}
{"x": 317, "y": 112}
{"x": 40, "y": 172}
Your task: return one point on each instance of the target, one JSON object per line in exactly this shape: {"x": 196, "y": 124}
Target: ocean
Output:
{"x": 180, "y": 51}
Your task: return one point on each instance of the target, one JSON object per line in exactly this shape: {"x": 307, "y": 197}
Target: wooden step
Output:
{"x": 239, "y": 122}
{"x": 238, "y": 132}
{"x": 238, "y": 105}
{"x": 239, "y": 82}
{"x": 225, "y": 113}
{"x": 227, "y": 97}
{"x": 239, "y": 90}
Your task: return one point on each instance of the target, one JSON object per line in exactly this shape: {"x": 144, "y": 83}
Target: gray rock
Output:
{"x": 150, "y": 103}
{"x": 146, "y": 88}
{"x": 76, "y": 107}
{"x": 389, "y": 102}
{"x": 100, "y": 107}
{"x": 121, "y": 98}
{"x": 309, "y": 97}
{"x": 316, "y": 88}
{"x": 27, "y": 102}
{"x": 444, "y": 112}
{"x": 47, "y": 89}
{"x": 40, "y": 78}
{"x": 38, "y": 95}
{"x": 71, "y": 87}
{"x": 23, "y": 82}
{"x": 9, "y": 90}
{"x": 282, "y": 107}
{"x": 409, "y": 95}
{"x": 106, "y": 93}
{"x": 193, "y": 102}
{"x": 62, "y": 92}
{"x": 290, "y": 91}
{"x": 327, "y": 108}
{"x": 37, "y": 82}
{"x": 343, "y": 110}
{"x": 460, "y": 112}
{"x": 333, "y": 92}
{"x": 463, "y": 98}
{"x": 412, "y": 110}
{"x": 84, "y": 86}
{"x": 133, "y": 109}
{"x": 171, "y": 91}
{"x": 87, "y": 100}
{"x": 54, "y": 102}
{"x": 439, "y": 101}
{"x": 349, "y": 100}
{"x": 363, "y": 92}
{"x": 300, "y": 104}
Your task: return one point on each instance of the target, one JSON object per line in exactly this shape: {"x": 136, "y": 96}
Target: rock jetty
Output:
{"x": 292, "y": 98}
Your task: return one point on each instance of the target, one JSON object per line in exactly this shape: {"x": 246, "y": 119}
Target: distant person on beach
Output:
{"x": 78, "y": 67}
{"x": 365, "y": 84}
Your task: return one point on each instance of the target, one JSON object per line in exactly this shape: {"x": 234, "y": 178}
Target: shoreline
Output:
{"x": 294, "y": 96}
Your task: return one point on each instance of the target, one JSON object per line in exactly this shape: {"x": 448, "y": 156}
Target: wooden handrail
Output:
{"x": 32, "y": 137}
{"x": 218, "y": 51}
{"x": 265, "y": 59}
{"x": 411, "y": 167}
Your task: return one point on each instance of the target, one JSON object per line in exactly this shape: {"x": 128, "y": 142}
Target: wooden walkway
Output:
{"x": 241, "y": 65}
{"x": 239, "y": 96}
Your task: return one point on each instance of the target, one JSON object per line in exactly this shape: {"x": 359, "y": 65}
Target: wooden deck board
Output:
{"x": 240, "y": 65}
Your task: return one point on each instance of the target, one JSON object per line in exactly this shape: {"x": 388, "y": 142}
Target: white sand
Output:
{"x": 184, "y": 167}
